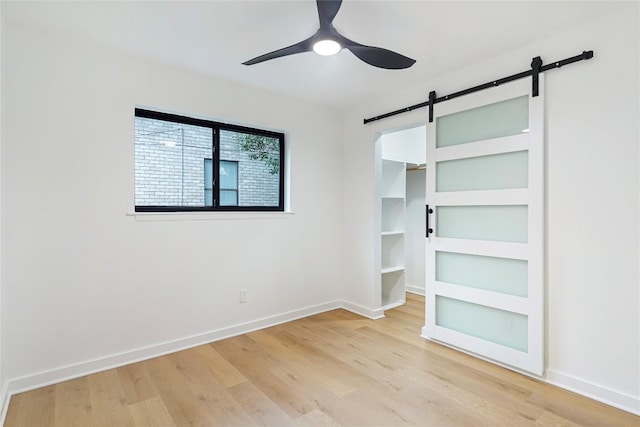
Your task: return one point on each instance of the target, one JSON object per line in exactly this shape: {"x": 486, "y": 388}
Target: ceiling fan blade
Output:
{"x": 327, "y": 11}
{"x": 300, "y": 47}
{"x": 381, "y": 58}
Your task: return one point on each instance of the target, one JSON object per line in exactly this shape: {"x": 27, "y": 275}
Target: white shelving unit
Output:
{"x": 392, "y": 233}
{"x": 399, "y": 218}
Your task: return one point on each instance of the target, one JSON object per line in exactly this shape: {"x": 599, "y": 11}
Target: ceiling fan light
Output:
{"x": 326, "y": 47}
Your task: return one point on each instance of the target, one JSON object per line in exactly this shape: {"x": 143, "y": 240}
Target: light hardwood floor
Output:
{"x": 330, "y": 369}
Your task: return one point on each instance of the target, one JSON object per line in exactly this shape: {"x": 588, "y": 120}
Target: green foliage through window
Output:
{"x": 262, "y": 148}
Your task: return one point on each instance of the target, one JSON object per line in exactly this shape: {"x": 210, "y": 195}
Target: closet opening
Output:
{"x": 400, "y": 225}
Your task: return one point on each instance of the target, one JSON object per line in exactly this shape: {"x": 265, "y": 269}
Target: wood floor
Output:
{"x": 330, "y": 369}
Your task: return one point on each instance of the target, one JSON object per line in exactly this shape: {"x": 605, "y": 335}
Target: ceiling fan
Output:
{"x": 328, "y": 41}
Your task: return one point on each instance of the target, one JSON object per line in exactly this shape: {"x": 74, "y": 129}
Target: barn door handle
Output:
{"x": 429, "y": 230}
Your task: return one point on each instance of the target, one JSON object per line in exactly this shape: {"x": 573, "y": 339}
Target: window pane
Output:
{"x": 257, "y": 170}
{"x": 208, "y": 174}
{"x": 170, "y": 162}
{"x": 208, "y": 182}
{"x": 228, "y": 175}
{"x": 503, "y": 118}
{"x": 228, "y": 198}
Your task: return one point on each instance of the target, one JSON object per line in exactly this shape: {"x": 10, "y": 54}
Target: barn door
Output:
{"x": 485, "y": 195}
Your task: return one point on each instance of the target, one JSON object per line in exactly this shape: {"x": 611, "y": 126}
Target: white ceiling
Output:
{"x": 215, "y": 37}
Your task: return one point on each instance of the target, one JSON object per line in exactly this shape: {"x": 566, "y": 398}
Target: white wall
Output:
{"x": 2, "y": 381}
{"x": 83, "y": 280}
{"x": 593, "y": 323}
{"x": 405, "y": 145}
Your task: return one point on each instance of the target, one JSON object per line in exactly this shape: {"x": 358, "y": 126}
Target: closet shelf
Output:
{"x": 393, "y": 200}
{"x": 388, "y": 305}
{"x": 386, "y": 270}
{"x": 392, "y": 233}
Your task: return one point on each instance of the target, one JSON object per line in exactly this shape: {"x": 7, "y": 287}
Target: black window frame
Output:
{"x": 216, "y": 128}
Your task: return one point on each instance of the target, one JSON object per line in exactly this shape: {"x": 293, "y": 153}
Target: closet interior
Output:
{"x": 400, "y": 157}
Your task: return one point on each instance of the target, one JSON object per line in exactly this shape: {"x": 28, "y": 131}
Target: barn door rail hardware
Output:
{"x": 536, "y": 68}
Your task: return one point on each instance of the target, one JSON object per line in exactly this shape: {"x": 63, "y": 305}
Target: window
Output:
{"x": 228, "y": 183}
{"x": 208, "y": 182}
{"x": 188, "y": 164}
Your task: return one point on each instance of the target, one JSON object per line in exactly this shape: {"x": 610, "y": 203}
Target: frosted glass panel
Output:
{"x": 496, "y": 223}
{"x": 504, "y": 275}
{"x": 495, "y": 172}
{"x": 490, "y": 324}
{"x": 503, "y": 118}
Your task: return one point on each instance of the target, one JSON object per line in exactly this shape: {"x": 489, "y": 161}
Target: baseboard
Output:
{"x": 415, "y": 290}
{"x": 423, "y": 333}
{"x": 4, "y": 401}
{"x": 588, "y": 389}
{"x": 53, "y": 376}
{"x": 370, "y": 313}
{"x": 582, "y": 387}
{"x": 594, "y": 391}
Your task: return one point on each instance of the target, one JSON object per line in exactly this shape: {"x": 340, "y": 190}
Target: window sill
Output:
{"x": 207, "y": 216}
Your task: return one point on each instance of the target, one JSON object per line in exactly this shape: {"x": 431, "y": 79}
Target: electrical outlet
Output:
{"x": 243, "y": 295}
